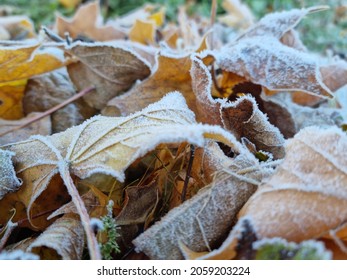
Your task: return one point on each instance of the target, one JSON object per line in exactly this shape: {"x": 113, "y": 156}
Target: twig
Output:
{"x": 189, "y": 170}
{"x": 50, "y": 111}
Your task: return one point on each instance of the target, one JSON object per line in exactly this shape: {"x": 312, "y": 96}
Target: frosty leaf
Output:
{"x": 42, "y": 127}
{"x": 50, "y": 89}
{"x": 109, "y": 68}
{"x": 63, "y": 239}
{"x": 202, "y": 221}
{"x": 280, "y": 249}
{"x": 335, "y": 75}
{"x": 277, "y": 24}
{"x": 17, "y": 27}
{"x": 241, "y": 117}
{"x": 274, "y": 66}
{"x": 26, "y": 60}
{"x": 8, "y": 180}
{"x": 172, "y": 74}
{"x": 307, "y": 195}
{"x": 107, "y": 145}
{"x": 17, "y": 255}
{"x": 88, "y": 22}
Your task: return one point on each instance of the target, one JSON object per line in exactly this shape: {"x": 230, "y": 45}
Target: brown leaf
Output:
{"x": 63, "y": 239}
{"x": 139, "y": 202}
{"x": 273, "y": 65}
{"x": 41, "y": 127}
{"x": 48, "y": 90}
{"x": 9, "y": 182}
{"x": 202, "y": 222}
{"x": 277, "y": 24}
{"x": 241, "y": 117}
{"x": 109, "y": 68}
{"x": 87, "y": 22}
{"x": 306, "y": 197}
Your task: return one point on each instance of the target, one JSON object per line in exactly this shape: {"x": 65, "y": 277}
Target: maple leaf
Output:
{"x": 111, "y": 69}
{"x": 106, "y": 145}
{"x": 87, "y": 21}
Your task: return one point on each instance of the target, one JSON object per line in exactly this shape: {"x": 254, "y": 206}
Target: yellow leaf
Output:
{"x": 143, "y": 32}
{"x": 70, "y": 4}
{"x": 24, "y": 61}
{"x": 158, "y": 17}
{"x": 11, "y": 95}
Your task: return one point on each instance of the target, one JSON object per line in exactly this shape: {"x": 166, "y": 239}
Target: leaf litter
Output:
{"x": 194, "y": 146}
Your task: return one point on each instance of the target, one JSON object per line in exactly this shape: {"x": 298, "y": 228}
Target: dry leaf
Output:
{"x": 241, "y": 117}
{"x": 109, "y": 68}
{"x": 70, "y": 4}
{"x": 278, "y": 24}
{"x": 170, "y": 74}
{"x": 9, "y": 182}
{"x": 87, "y": 21}
{"x": 238, "y": 14}
{"x": 17, "y": 27}
{"x": 273, "y": 65}
{"x": 202, "y": 222}
{"x": 41, "y": 127}
{"x": 139, "y": 202}
{"x": 306, "y": 197}
{"x": 11, "y": 95}
{"x": 143, "y": 32}
{"x": 63, "y": 239}
{"x": 50, "y": 89}
{"x": 106, "y": 145}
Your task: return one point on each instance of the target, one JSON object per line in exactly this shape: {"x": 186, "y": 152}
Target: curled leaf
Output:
{"x": 8, "y": 180}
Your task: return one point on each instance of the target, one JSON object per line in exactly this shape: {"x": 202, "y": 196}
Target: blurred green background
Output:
{"x": 319, "y": 31}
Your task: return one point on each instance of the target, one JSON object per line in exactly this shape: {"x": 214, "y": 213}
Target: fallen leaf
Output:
{"x": 45, "y": 91}
{"x": 306, "y": 197}
{"x": 238, "y": 14}
{"x": 24, "y": 60}
{"x": 17, "y": 27}
{"x": 106, "y": 145}
{"x": 11, "y": 97}
{"x": 242, "y": 117}
{"x": 143, "y": 32}
{"x": 273, "y": 65}
{"x": 170, "y": 74}
{"x": 64, "y": 239}
{"x": 202, "y": 222}
{"x": 109, "y": 68}
{"x": 41, "y": 127}
{"x": 87, "y": 21}
{"x": 70, "y": 4}
{"x": 9, "y": 182}
{"x": 139, "y": 201}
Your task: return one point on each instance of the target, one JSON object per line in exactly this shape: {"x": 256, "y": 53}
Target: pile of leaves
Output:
{"x": 207, "y": 138}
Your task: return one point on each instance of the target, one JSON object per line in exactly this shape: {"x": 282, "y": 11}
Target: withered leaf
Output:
{"x": 64, "y": 239}
{"x": 42, "y": 127}
{"x": 273, "y": 65}
{"x": 241, "y": 117}
{"x": 8, "y": 180}
{"x": 111, "y": 69}
{"x": 109, "y": 145}
{"x": 277, "y": 24}
{"x": 88, "y": 22}
{"x": 203, "y": 221}
{"x": 306, "y": 197}
{"x": 139, "y": 201}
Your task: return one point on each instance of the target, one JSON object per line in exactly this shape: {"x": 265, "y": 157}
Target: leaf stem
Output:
{"x": 50, "y": 111}
{"x": 93, "y": 247}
